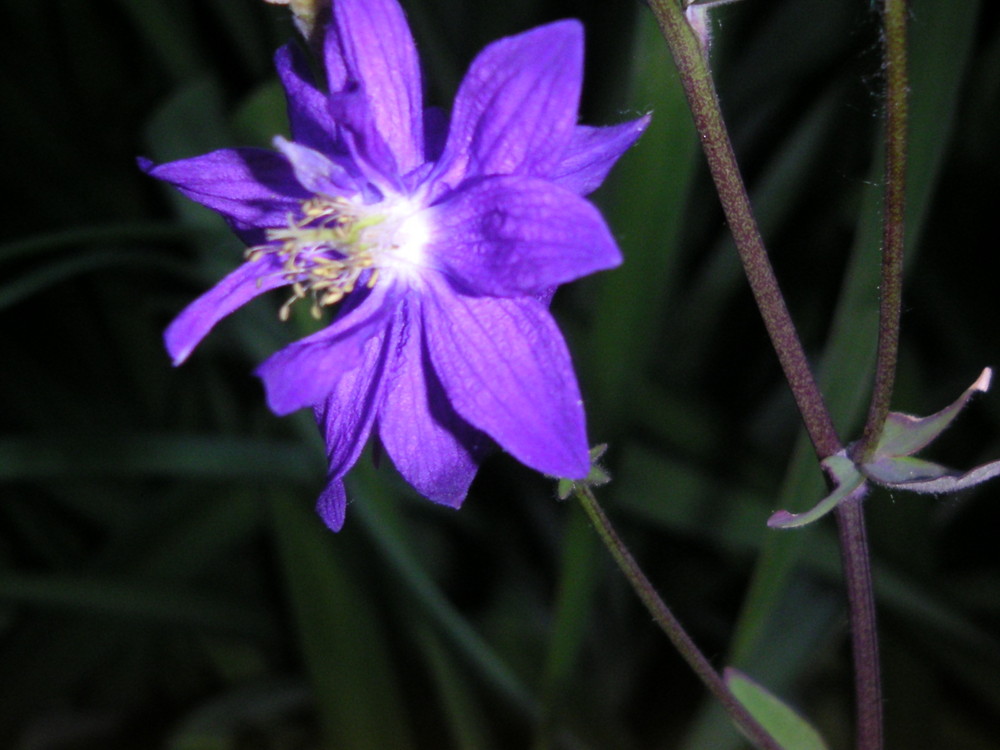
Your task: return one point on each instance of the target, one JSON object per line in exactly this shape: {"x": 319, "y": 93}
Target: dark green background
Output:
{"x": 163, "y": 581}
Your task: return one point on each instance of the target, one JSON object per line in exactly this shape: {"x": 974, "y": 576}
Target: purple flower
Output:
{"x": 439, "y": 241}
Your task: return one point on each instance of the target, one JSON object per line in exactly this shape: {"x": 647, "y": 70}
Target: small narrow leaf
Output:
{"x": 846, "y": 478}
{"x": 893, "y": 465}
{"x": 904, "y": 435}
{"x": 950, "y": 482}
{"x": 789, "y": 729}
{"x": 892, "y": 471}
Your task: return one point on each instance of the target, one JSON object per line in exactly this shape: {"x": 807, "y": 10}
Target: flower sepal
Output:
{"x": 596, "y": 477}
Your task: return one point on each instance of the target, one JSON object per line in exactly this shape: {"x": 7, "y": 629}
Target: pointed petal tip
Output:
{"x": 433, "y": 448}
{"x": 983, "y": 382}
{"x": 554, "y": 457}
{"x": 332, "y": 504}
{"x": 177, "y": 343}
{"x": 571, "y": 29}
{"x": 781, "y": 519}
{"x": 453, "y": 502}
{"x": 510, "y": 376}
{"x": 177, "y": 355}
{"x": 281, "y": 395}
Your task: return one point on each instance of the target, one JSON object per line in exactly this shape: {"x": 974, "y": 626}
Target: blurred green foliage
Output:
{"x": 163, "y": 582}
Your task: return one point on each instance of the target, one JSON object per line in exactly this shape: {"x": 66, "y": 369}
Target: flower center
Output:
{"x": 335, "y": 244}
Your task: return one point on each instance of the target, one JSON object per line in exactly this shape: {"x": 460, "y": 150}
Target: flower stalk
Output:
{"x": 893, "y": 226}
{"x": 703, "y": 101}
{"x": 850, "y": 518}
{"x": 699, "y": 89}
{"x": 864, "y": 646}
{"x": 670, "y": 625}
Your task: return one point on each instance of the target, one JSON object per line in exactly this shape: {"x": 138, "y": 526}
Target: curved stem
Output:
{"x": 894, "y": 203}
{"x": 670, "y": 625}
{"x": 699, "y": 89}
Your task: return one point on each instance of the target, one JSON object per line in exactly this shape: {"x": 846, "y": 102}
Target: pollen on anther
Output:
{"x": 322, "y": 253}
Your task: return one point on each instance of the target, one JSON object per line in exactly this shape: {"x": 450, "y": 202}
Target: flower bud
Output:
{"x": 306, "y": 13}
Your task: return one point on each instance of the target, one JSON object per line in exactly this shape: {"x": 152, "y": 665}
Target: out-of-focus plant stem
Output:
{"x": 669, "y": 623}
{"x": 699, "y": 88}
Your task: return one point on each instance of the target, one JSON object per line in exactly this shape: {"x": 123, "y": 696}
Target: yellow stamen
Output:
{"x": 323, "y": 253}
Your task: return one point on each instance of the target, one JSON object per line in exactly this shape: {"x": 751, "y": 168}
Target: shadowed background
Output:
{"x": 163, "y": 580}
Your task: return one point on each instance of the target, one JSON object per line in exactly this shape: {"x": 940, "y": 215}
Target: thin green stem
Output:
{"x": 704, "y": 102}
{"x": 669, "y": 624}
{"x": 893, "y": 207}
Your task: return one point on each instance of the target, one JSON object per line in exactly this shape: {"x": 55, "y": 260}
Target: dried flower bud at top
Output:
{"x": 306, "y": 13}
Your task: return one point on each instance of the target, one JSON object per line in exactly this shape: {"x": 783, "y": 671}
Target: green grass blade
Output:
{"x": 341, "y": 636}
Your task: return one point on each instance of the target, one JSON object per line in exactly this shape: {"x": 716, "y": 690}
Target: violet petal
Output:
{"x": 307, "y": 106}
{"x": 434, "y": 449}
{"x": 505, "y": 368}
{"x": 516, "y": 108}
{"x": 514, "y": 236}
{"x": 253, "y": 187}
{"x": 345, "y": 418}
{"x": 235, "y": 290}
{"x": 303, "y": 373}
{"x": 592, "y": 152}
{"x": 379, "y": 52}
{"x": 315, "y": 172}
{"x": 369, "y": 152}
{"x": 332, "y": 504}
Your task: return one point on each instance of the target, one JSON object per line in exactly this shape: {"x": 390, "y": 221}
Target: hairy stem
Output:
{"x": 699, "y": 88}
{"x": 700, "y": 91}
{"x": 893, "y": 207}
{"x": 857, "y": 574}
{"x": 670, "y": 625}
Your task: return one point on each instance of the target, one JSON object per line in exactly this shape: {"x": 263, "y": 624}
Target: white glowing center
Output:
{"x": 335, "y": 245}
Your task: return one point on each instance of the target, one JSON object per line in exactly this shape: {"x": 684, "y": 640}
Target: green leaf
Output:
{"x": 465, "y": 715}
{"x": 342, "y": 637}
{"x": 383, "y": 520}
{"x": 903, "y": 469}
{"x": 942, "y": 482}
{"x": 942, "y": 43}
{"x": 894, "y": 467}
{"x": 140, "y": 600}
{"x": 846, "y": 478}
{"x": 218, "y": 722}
{"x": 791, "y": 731}
{"x": 261, "y": 115}
{"x": 904, "y": 435}
{"x": 631, "y": 302}
{"x": 90, "y": 455}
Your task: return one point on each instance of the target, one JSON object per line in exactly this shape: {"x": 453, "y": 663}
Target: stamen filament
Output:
{"x": 323, "y": 252}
